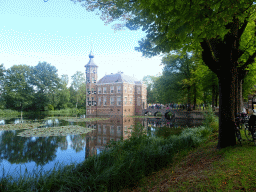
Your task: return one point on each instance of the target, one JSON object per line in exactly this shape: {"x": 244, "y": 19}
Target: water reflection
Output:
{"x": 44, "y": 152}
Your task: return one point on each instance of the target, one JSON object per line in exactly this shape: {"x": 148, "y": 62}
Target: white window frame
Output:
{"x": 104, "y": 101}
{"x": 119, "y": 89}
{"x": 112, "y": 89}
{"x": 99, "y": 90}
{"x": 99, "y": 101}
{"x": 125, "y": 89}
{"x": 104, "y": 89}
{"x": 138, "y": 90}
{"x": 130, "y": 89}
{"x": 112, "y": 130}
{"x": 112, "y": 100}
{"x": 117, "y": 101}
{"x": 104, "y": 131}
{"x": 125, "y": 100}
{"x": 118, "y": 130}
{"x": 130, "y": 100}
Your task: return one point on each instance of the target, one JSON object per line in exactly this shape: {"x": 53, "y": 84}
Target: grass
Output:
{"x": 66, "y": 111}
{"x": 206, "y": 169}
{"x": 5, "y": 113}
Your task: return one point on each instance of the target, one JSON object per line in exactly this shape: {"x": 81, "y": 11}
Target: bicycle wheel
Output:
{"x": 248, "y": 134}
{"x": 250, "y": 137}
{"x": 238, "y": 135}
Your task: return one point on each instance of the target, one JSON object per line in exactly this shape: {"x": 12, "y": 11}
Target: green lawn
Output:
{"x": 207, "y": 169}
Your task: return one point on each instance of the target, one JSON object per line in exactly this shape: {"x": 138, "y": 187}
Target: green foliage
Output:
{"x": 78, "y": 90}
{"x": 159, "y": 114}
{"x": 211, "y": 120}
{"x": 50, "y": 107}
{"x": 68, "y": 111}
{"x": 8, "y": 113}
{"x": 18, "y": 87}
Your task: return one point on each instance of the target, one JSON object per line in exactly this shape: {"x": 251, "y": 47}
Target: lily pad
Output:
{"x": 56, "y": 131}
{"x": 20, "y": 126}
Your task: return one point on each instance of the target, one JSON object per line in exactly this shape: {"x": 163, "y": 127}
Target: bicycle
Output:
{"x": 242, "y": 121}
{"x": 250, "y": 129}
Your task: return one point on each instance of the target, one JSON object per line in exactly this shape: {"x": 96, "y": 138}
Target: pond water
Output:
{"x": 41, "y": 147}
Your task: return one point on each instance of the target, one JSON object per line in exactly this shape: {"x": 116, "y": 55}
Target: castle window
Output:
{"x": 131, "y": 100}
{"x": 125, "y": 89}
{"x": 138, "y": 101}
{"x": 99, "y": 90}
{"x": 104, "y": 129}
{"x": 119, "y": 101}
{"x": 99, "y": 129}
{"x": 112, "y": 89}
{"x": 125, "y": 100}
{"x": 92, "y": 90}
{"x": 112, "y": 100}
{"x": 138, "y": 90}
{"x": 130, "y": 89}
{"x": 112, "y": 130}
{"x": 99, "y": 101}
{"x": 104, "y": 89}
{"x": 92, "y": 79}
{"x": 104, "y": 100}
{"x": 118, "y": 89}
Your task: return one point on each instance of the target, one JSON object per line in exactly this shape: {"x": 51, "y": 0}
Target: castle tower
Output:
{"x": 91, "y": 79}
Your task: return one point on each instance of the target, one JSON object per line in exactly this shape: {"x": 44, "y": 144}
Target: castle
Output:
{"x": 114, "y": 94}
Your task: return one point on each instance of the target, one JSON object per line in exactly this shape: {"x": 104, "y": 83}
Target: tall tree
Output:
{"x": 2, "y": 71}
{"x": 45, "y": 83}
{"x": 218, "y": 29}
{"x": 18, "y": 89}
{"x": 79, "y": 86}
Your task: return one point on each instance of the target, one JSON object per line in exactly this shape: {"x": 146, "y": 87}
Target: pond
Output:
{"x": 40, "y": 143}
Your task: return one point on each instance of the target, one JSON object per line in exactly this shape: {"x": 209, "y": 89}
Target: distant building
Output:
{"x": 114, "y": 94}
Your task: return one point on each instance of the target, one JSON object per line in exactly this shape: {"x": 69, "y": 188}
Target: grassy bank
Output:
{"x": 8, "y": 113}
{"x": 206, "y": 169}
{"x": 121, "y": 166}
{"x": 68, "y": 111}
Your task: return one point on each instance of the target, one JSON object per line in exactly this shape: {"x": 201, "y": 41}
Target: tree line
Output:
{"x": 187, "y": 80}
{"x": 39, "y": 88}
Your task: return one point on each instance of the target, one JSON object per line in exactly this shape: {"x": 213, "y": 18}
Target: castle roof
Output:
{"x": 118, "y": 78}
{"x": 91, "y": 61}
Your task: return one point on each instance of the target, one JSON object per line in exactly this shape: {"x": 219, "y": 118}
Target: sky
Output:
{"x": 63, "y": 33}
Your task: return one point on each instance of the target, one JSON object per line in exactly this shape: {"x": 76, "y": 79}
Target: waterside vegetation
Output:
{"x": 121, "y": 165}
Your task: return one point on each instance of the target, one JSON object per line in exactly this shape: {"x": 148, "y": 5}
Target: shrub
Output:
{"x": 159, "y": 114}
{"x": 50, "y": 107}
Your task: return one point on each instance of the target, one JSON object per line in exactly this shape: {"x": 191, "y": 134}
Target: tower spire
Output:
{"x": 91, "y": 55}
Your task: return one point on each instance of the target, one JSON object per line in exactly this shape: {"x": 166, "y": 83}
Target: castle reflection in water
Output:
{"x": 119, "y": 126}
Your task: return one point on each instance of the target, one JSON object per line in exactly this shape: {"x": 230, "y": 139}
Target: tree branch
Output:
{"x": 250, "y": 60}
{"x": 208, "y": 57}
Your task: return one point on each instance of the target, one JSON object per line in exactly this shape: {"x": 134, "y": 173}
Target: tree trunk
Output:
{"x": 241, "y": 95}
{"x": 213, "y": 96}
{"x": 194, "y": 96}
{"x": 216, "y": 95}
{"x": 189, "y": 99}
{"x": 227, "y": 90}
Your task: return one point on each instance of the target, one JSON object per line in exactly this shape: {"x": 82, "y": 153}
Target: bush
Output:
{"x": 211, "y": 120}
{"x": 159, "y": 114}
{"x": 50, "y": 107}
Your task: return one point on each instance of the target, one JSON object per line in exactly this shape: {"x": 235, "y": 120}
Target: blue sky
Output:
{"x": 61, "y": 33}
